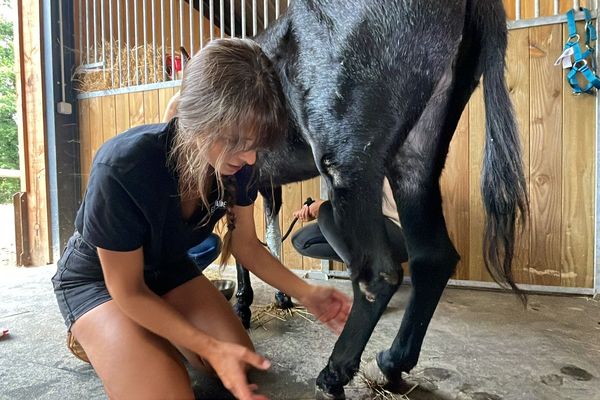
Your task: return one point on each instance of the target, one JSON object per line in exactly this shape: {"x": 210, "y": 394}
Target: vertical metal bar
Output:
{"x": 556, "y": 7}
{"x": 162, "y": 40}
{"x": 95, "y": 39}
{"x": 172, "y": 41}
{"x": 232, "y": 18}
{"x": 102, "y": 38}
{"x": 576, "y": 4}
{"x": 265, "y": 14}
{"x": 536, "y": 8}
{"x": 517, "y": 10}
{"x": 201, "y": 22}
{"x": 112, "y": 54}
{"x": 243, "y": 18}
{"x": 135, "y": 47}
{"x": 191, "y": 16}
{"x": 80, "y": 58}
{"x": 222, "y": 17}
{"x": 127, "y": 46}
{"x": 154, "y": 39}
{"x": 254, "y": 18}
{"x": 145, "y": 29}
{"x": 87, "y": 31}
{"x": 119, "y": 41}
{"x": 277, "y": 9}
{"x": 211, "y": 16}
{"x": 181, "y": 23}
{"x": 288, "y": 3}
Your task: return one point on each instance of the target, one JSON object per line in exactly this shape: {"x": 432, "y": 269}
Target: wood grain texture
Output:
{"x": 477, "y": 269}
{"x": 545, "y": 158}
{"x": 152, "y": 112}
{"x": 122, "y": 113}
{"x": 578, "y": 183}
{"x": 85, "y": 144}
{"x": 109, "y": 127}
{"x": 517, "y": 79}
{"x": 292, "y": 200}
{"x": 454, "y": 184}
{"x": 136, "y": 109}
{"x": 95, "y": 117}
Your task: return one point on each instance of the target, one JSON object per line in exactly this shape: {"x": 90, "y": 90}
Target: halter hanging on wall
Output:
{"x": 578, "y": 61}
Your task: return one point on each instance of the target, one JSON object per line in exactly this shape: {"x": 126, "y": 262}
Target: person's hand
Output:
{"x": 230, "y": 362}
{"x": 328, "y": 305}
{"x": 303, "y": 214}
{"x": 308, "y": 213}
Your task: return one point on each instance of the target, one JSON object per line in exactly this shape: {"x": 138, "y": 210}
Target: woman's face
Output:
{"x": 232, "y": 162}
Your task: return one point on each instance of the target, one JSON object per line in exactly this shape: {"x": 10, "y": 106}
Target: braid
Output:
{"x": 229, "y": 196}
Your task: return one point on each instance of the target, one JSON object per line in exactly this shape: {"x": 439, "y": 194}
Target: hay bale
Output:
{"x": 102, "y": 77}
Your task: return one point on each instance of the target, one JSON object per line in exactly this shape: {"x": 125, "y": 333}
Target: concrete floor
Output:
{"x": 480, "y": 346}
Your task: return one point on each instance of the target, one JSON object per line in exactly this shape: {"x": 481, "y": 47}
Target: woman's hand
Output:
{"x": 230, "y": 362}
{"x": 308, "y": 213}
{"x": 328, "y": 305}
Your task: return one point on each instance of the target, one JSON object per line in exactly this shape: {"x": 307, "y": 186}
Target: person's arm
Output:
{"x": 327, "y": 304}
{"x": 123, "y": 273}
{"x": 309, "y": 213}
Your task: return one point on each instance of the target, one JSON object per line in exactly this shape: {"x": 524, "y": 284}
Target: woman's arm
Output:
{"x": 327, "y": 304}
{"x": 123, "y": 273}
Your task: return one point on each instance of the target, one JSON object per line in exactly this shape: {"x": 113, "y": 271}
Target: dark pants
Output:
{"x": 310, "y": 242}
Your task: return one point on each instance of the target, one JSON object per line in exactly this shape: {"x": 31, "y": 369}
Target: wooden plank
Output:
{"x": 136, "y": 109}
{"x": 85, "y": 142}
{"x": 109, "y": 128}
{"x": 509, "y": 7}
{"x": 477, "y": 269}
{"x": 310, "y": 188}
{"x": 95, "y": 118}
{"x": 454, "y": 184}
{"x": 122, "y": 122}
{"x": 517, "y": 78}
{"x": 577, "y": 235}
{"x": 259, "y": 218}
{"x": 545, "y": 161}
{"x": 152, "y": 114}
{"x": 164, "y": 95}
{"x": 292, "y": 200}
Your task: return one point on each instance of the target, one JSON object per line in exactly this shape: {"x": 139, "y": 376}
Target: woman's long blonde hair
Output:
{"x": 231, "y": 93}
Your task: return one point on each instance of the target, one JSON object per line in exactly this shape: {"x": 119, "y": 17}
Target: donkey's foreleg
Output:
{"x": 360, "y": 239}
{"x": 273, "y": 239}
{"x": 344, "y": 362}
{"x": 244, "y": 296}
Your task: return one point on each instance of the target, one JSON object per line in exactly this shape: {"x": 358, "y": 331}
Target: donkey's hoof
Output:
{"x": 283, "y": 301}
{"x": 373, "y": 374}
{"x": 321, "y": 394}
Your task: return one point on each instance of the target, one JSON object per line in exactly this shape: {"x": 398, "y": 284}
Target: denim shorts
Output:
{"x": 79, "y": 283}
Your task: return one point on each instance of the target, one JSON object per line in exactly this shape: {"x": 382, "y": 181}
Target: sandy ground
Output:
{"x": 7, "y": 236}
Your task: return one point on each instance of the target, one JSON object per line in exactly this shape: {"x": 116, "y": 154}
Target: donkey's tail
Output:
{"x": 503, "y": 185}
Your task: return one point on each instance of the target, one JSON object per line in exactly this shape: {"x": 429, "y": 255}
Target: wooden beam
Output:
{"x": 32, "y": 130}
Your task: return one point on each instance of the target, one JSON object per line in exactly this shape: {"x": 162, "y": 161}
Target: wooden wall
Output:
{"x": 558, "y": 139}
{"x": 527, "y": 7}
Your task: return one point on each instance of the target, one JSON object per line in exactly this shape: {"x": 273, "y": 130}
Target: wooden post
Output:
{"x": 32, "y": 131}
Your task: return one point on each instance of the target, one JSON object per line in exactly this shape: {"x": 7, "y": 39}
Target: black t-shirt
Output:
{"x": 132, "y": 199}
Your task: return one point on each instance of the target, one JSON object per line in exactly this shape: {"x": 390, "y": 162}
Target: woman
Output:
{"x": 127, "y": 290}
{"x": 310, "y": 241}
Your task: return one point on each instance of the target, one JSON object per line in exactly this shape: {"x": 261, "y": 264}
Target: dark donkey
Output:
{"x": 376, "y": 88}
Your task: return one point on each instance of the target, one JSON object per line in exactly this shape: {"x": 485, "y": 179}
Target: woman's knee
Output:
{"x": 134, "y": 362}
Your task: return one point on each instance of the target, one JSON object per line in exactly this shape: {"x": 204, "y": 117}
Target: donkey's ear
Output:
{"x": 185, "y": 57}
